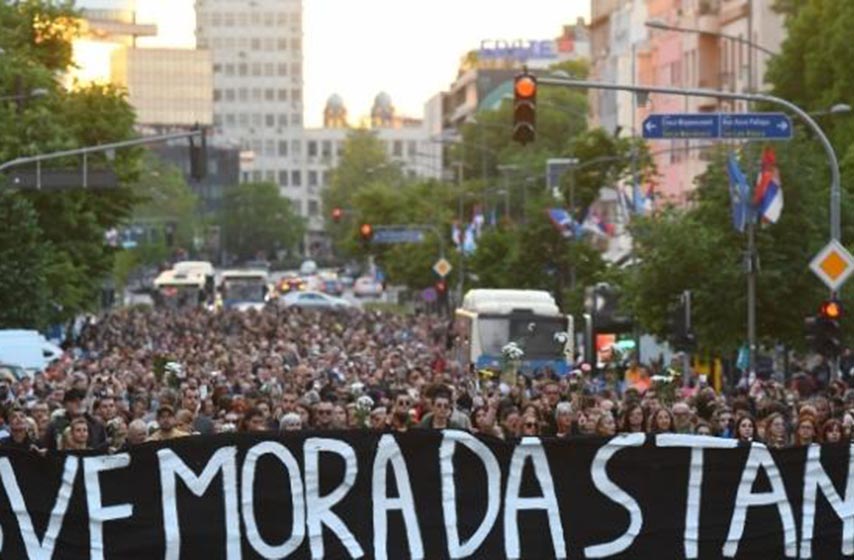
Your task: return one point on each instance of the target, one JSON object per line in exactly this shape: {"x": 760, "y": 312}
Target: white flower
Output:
{"x": 512, "y": 351}
{"x": 175, "y": 369}
{"x": 661, "y": 379}
{"x": 357, "y": 388}
{"x": 561, "y": 338}
{"x": 576, "y": 373}
{"x": 365, "y": 403}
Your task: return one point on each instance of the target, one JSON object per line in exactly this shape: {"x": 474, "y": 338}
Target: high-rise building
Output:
{"x": 257, "y": 59}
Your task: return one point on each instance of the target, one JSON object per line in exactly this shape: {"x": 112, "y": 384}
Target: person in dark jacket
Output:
{"x": 73, "y": 403}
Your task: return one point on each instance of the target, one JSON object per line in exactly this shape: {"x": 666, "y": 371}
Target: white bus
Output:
{"x": 245, "y": 289}
{"x": 180, "y": 289}
{"x": 490, "y": 319}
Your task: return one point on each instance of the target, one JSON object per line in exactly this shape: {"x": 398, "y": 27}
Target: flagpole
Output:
{"x": 750, "y": 263}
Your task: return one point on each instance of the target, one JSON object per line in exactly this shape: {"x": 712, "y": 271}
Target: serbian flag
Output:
{"x": 768, "y": 195}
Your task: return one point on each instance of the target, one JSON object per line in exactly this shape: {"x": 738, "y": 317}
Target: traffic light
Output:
{"x": 824, "y": 331}
{"x": 337, "y": 213}
{"x": 199, "y": 156}
{"x": 366, "y": 232}
{"x": 524, "y": 108}
{"x": 441, "y": 287}
{"x": 682, "y": 336}
{"x": 602, "y": 302}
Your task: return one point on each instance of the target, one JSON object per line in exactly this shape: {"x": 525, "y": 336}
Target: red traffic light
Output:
{"x": 525, "y": 86}
{"x": 337, "y": 213}
{"x": 441, "y": 286}
{"x": 366, "y": 231}
{"x": 831, "y": 309}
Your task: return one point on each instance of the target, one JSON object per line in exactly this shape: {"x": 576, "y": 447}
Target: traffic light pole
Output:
{"x": 833, "y": 163}
{"x": 100, "y": 148}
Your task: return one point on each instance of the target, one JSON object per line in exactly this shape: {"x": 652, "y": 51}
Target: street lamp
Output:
{"x": 37, "y": 92}
{"x": 836, "y": 109}
{"x": 657, "y": 23}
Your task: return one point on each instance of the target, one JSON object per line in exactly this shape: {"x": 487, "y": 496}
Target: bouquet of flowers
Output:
{"x": 364, "y": 405}
{"x": 512, "y": 355}
{"x": 666, "y": 385}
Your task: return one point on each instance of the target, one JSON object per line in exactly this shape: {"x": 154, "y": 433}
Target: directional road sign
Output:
{"x": 682, "y": 125}
{"x": 751, "y": 126}
{"x": 833, "y": 265}
{"x": 401, "y": 235}
{"x": 763, "y": 126}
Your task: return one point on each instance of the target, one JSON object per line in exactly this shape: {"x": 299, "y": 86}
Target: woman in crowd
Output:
{"x": 634, "y": 419}
{"x": 776, "y": 435}
{"x": 660, "y": 421}
{"x": 805, "y": 430}
{"x": 606, "y": 426}
{"x": 745, "y": 429}
{"x": 832, "y": 432}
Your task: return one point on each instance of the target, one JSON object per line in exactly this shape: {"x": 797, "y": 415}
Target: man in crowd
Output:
{"x": 73, "y": 403}
{"x": 166, "y": 428}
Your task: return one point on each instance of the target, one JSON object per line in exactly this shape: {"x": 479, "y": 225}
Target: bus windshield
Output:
{"x": 536, "y": 335}
{"x": 249, "y": 290}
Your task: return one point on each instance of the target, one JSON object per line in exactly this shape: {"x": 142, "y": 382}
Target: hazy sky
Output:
{"x": 408, "y": 48}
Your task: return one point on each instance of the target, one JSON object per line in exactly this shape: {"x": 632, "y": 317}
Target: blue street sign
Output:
{"x": 755, "y": 126}
{"x": 761, "y": 126}
{"x": 682, "y": 125}
{"x": 393, "y": 236}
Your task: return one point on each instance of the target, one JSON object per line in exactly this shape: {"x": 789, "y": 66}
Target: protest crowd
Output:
{"x": 138, "y": 375}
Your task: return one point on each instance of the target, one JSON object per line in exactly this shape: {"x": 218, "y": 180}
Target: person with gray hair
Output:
{"x": 563, "y": 419}
{"x": 290, "y": 422}
{"x": 137, "y": 433}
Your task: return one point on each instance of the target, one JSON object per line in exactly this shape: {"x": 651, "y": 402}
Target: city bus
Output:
{"x": 490, "y": 319}
{"x": 177, "y": 289}
{"x": 244, "y": 289}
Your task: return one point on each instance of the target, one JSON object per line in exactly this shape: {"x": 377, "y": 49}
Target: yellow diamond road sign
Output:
{"x": 442, "y": 267}
{"x": 833, "y": 264}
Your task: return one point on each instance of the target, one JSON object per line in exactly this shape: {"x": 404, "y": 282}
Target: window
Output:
{"x": 257, "y": 146}
{"x": 411, "y": 149}
{"x": 244, "y": 177}
{"x": 242, "y": 94}
{"x": 283, "y": 120}
{"x": 269, "y": 120}
{"x": 229, "y": 119}
{"x": 312, "y": 148}
{"x": 283, "y": 148}
{"x": 269, "y": 19}
{"x": 324, "y": 178}
{"x": 282, "y": 69}
{"x": 297, "y": 204}
{"x": 269, "y": 148}
{"x": 217, "y": 68}
{"x": 256, "y": 176}
{"x": 229, "y": 95}
{"x": 242, "y": 69}
{"x": 326, "y": 149}
{"x": 281, "y": 18}
{"x": 243, "y": 120}
{"x": 255, "y": 18}
{"x": 296, "y": 69}
{"x": 270, "y": 176}
{"x": 217, "y": 95}
{"x": 217, "y": 121}
{"x": 296, "y": 178}
{"x": 313, "y": 208}
{"x": 282, "y": 44}
{"x": 257, "y": 119}
{"x": 283, "y": 176}
{"x": 398, "y": 148}
{"x": 269, "y": 44}
{"x": 312, "y": 178}
{"x": 256, "y": 94}
{"x": 256, "y": 44}
{"x": 295, "y": 44}
{"x": 296, "y": 119}
{"x": 269, "y": 94}
{"x": 229, "y": 69}
{"x": 216, "y": 19}
{"x": 296, "y": 95}
{"x": 339, "y": 148}
{"x": 256, "y": 68}
{"x": 241, "y": 19}
{"x": 269, "y": 68}
{"x": 228, "y": 19}
{"x": 296, "y": 148}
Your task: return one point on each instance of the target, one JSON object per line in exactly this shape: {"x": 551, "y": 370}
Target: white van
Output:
{"x": 27, "y": 349}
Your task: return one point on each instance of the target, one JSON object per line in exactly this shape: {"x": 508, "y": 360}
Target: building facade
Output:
{"x": 257, "y": 60}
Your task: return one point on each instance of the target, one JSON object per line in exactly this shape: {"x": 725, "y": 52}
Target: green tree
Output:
{"x": 256, "y": 219}
{"x": 24, "y": 259}
{"x": 37, "y": 48}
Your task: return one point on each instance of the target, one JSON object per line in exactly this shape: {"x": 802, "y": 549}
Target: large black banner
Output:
{"x": 430, "y": 495}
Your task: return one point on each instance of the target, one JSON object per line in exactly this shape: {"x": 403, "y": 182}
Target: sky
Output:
{"x": 410, "y": 49}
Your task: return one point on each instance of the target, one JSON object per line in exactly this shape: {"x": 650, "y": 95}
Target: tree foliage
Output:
{"x": 36, "y": 45}
{"x": 257, "y": 220}
{"x": 24, "y": 258}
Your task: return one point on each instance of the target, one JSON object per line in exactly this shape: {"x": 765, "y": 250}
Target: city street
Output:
{"x": 482, "y": 279}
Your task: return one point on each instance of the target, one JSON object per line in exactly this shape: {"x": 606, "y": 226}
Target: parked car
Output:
{"x": 367, "y": 286}
{"x": 314, "y": 300}
{"x": 27, "y": 349}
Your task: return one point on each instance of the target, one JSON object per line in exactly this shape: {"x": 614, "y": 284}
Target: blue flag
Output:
{"x": 739, "y": 193}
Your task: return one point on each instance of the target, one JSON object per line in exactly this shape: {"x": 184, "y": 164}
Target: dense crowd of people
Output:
{"x": 138, "y": 375}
